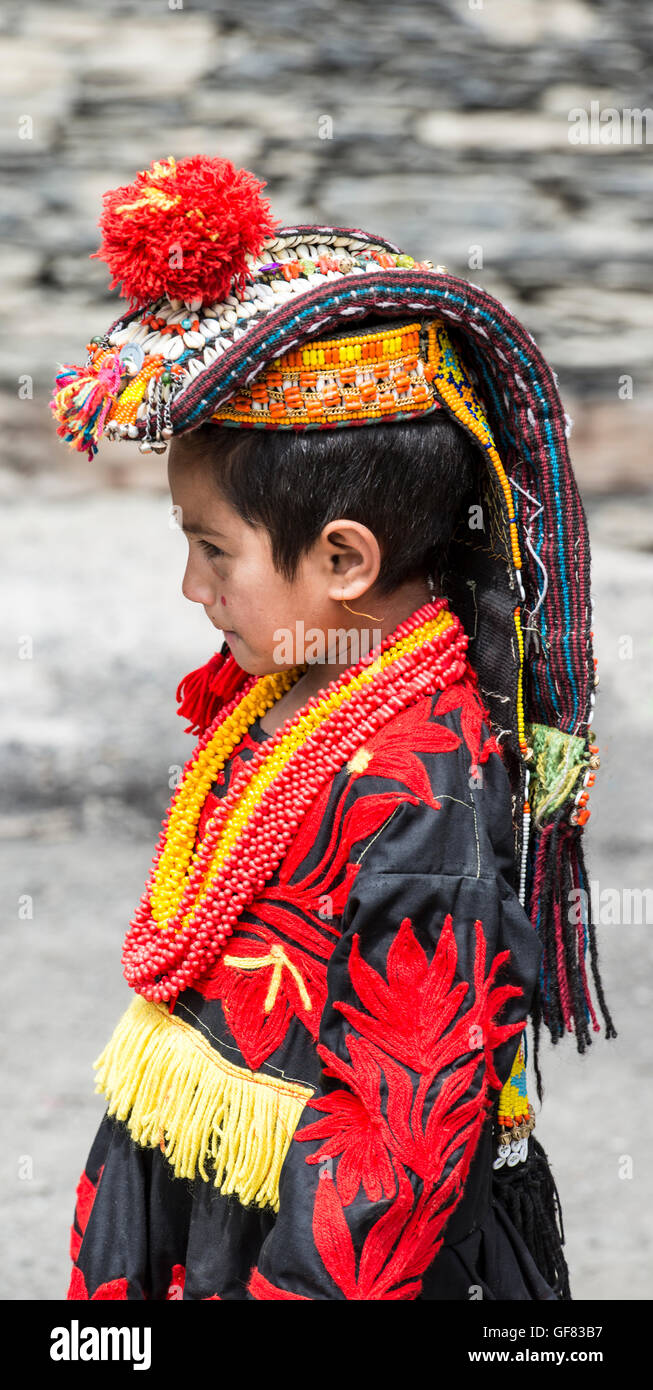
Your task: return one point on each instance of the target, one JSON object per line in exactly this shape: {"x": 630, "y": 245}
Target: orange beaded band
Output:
{"x": 342, "y": 380}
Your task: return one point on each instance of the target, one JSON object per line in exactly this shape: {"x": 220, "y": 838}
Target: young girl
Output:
{"x": 360, "y": 890}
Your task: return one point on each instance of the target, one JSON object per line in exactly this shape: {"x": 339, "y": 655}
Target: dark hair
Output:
{"x": 408, "y": 481}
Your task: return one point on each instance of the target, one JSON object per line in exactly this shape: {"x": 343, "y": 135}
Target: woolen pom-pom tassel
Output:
{"x": 83, "y": 400}
{"x": 202, "y": 693}
{"x": 184, "y": 229}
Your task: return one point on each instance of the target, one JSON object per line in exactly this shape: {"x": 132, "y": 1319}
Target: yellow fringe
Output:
{"x": 175, "y": 1092}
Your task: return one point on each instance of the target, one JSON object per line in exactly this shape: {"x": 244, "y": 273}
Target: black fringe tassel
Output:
{"x": 556, "y": 867}
{"x": 530, "y": 1198}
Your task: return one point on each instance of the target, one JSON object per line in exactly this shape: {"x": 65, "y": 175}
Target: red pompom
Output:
{"x": 183, "y": 228}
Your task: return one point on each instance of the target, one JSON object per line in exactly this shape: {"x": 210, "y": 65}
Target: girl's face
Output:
{"x": 230, "y": 571}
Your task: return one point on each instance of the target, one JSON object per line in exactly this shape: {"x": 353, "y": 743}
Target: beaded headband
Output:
{"x": 229, "y": 317}
{"x": 356, "y": 378}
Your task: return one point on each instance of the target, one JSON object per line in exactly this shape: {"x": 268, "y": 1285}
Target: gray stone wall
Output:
{"x": 443, "y": 124}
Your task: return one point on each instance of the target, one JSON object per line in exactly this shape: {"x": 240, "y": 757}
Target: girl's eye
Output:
{"x": 211, "y": 550}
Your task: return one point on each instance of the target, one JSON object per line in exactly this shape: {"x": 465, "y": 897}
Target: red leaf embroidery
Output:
{"x": 393, "y": 748}
{"x": 260, "y": 1287}
{"x": 115, "y": 1289}
{"x": 463, "y": 695}
{"x": 416, "y": 1018}
{"x": 263, "y": 983}
{"x": 354, "y": 1127}
{"x": 177, "y": 1282}
{"x": 85, "y": 1196}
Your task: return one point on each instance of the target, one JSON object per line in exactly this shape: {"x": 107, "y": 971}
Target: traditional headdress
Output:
{"x": 235, "y": 319}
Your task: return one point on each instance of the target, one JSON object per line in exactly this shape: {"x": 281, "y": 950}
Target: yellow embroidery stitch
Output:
{"x": 278, "y": 958}
{"x": 360, "y": 760}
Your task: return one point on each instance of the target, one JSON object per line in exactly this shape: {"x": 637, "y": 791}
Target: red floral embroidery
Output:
{"x": 355, "y": 1126}
{"x": 275, "y": 970}
{"x": 414, "y": 1021}
{"x": 177, "y": 1282}
{"x": 263, "y": 1289}
{"x": 463, "y": 695}
{"x": 115, "y": 1289}
{"x": 263, "y": 983}
{"x": 393, "y": 748}
{"x": 409, "y": 1016}
{"x": 85, "y": 1196}
{"x": 378, "y": 1267}
{"x": 287, "y": 977}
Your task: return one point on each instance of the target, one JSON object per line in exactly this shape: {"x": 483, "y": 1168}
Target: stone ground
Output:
{"x": 91, "y": 741}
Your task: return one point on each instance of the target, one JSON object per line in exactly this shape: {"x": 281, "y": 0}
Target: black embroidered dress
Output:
{"x": 316, "y": 1118}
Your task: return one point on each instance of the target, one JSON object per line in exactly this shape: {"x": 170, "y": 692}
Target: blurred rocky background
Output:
{"x": 444, "y": 126}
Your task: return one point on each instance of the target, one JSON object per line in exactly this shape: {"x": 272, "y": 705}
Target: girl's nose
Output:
{"x": 197, "y": 586}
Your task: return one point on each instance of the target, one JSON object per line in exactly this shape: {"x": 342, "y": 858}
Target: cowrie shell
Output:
{"x": 121, "y": 335}
{"x": 193, "y": 340}
{"x": 174, "y": 348}
{"x": 154, "y": 342}
{"x": 142, "y": 333}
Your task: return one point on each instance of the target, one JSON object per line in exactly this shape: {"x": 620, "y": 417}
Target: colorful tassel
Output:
{"x": 83, "y": 400}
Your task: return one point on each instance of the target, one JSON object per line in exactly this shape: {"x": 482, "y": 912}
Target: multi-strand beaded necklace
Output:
{"x": 194, "y": 896}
